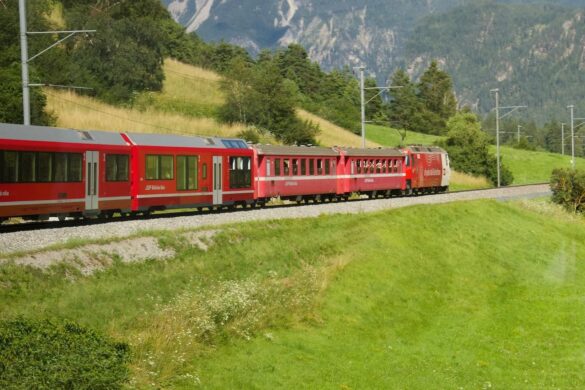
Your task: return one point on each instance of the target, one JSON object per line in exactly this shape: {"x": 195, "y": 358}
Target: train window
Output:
{"x": 159, "y": 167}
{"x": 117, "y": 167}
{"x": 204, "y": 171}
{"x": 407, "y": 160}
{"x": 358, "y": 166}
{"x": 319, "y": 166}
{"x": 74, "y": 167}
{"x": 286, "y": 166}
{"x": 295, "y": 166}
{"x": 327, "y": 167}
{"x": 311, "y": 167}
{"x": 60, "y": 169}
{"x": 9, "y": 173}
{"x": 240, "y": 172}
{"x": 186, "y": 173}
{"x": 44, "y": 167}
{"x": 276, "y": 167}
{"x": 26, "y": 167}
{"x": 303, "y": 167}
{"x": 268, "y": 167}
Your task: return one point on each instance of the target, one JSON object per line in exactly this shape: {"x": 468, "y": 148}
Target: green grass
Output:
{"x": 534, "y": 167}
{"x": 482, "y": 292}
{"x": 391, "y": 137}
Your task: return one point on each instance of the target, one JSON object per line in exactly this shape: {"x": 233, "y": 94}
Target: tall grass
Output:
{"x": 333, "y": 135}
{"x": 80, "y": 112}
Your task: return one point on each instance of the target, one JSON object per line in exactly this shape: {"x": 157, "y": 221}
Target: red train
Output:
{"x": 63, "y": 173}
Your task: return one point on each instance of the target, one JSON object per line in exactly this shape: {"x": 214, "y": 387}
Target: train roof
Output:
{"x": 371, "y": 152}
{"x": 53, "y": 134}
{"x": 277, "y": 150}
{"x": 170, "y": 140}
{"x": 425, "y": 149}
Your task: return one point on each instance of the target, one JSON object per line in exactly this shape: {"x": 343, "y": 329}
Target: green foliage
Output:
{"x": 11, "y": 110}
{"x": 568, "y": 188}
{"x": 468, "y": 148}
{"x": 529, "y": 51}
{"x": 48, "y": 355}
{"x": 423, "y": 108}
{"x": 258, "y": 95}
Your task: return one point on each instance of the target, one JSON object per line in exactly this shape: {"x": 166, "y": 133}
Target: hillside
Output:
{"x": 529, "y": 48}
{"x": 484, "y": 293}
{"x": 534, "y": 54}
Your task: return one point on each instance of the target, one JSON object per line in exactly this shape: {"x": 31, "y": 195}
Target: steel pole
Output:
{"x": 363, "y": 106}
{"x": 572, "y": 108}
{"x": 24, "y": 62}
{"x": 498, "y": 134}
{"x": 563, "y": 139}
{"x": 519, "y": 133}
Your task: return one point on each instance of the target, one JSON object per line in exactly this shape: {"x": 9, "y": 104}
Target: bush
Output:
{"x": 46, "y": 355}
{"x": 568, "y": 188}
{"x": 468, "y": 149}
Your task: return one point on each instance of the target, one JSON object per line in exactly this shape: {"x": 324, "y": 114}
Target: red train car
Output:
{"x": 427, "y": 169}
{"x": 372, "y": 171}
{"x": 295, "y": 172}
{"x": 170, "y": 171}
{"x": 55, "y": 172}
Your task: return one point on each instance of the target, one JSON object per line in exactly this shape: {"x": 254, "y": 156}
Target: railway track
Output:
{"x": 36, "y": 235}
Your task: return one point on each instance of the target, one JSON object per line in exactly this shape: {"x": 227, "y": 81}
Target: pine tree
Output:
{"x": 436, "y": 93}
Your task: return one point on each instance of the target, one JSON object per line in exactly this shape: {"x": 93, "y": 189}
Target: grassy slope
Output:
{"x": 534, "y": 167}
{"x": 185, "y": 106}
{"x": 392, "y": 137}
{"x": 483, "y": 296}
{"x": 483, "y": 292}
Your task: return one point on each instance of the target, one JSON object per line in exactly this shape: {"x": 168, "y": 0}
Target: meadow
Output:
{"x": 481, "y": 294}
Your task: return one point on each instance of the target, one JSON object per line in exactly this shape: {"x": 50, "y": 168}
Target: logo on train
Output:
{"x": 291, "y": 184}
{"x": 432, "y": 172}
{"x": 155, "y": 188}
{"x": 4, "y": 193}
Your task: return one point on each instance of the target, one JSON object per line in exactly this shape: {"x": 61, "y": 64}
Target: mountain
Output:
{"x": 527, "y": 43}
{"x": 535, "y": 54}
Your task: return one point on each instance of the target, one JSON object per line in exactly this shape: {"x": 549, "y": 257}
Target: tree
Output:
{"x": 259, "y": 96}
{"x": 468, "y": 148}
{"x": 436, "y": 94}
{"x": 405, "y": 109}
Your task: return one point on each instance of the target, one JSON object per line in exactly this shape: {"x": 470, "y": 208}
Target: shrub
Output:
{"x": 47, "y": 355}
{"x": 568, "y": 188}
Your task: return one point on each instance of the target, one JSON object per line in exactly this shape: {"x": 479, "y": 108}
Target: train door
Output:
{"x": 446, "y": 170}
{"x": 92, "y": 172}
{"x": 217, "y": 180}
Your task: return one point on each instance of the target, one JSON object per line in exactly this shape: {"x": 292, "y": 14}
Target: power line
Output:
{"x": 109, "y": 113}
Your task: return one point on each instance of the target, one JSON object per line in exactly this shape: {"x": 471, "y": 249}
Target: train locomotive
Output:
{"x": 49, "y": 172}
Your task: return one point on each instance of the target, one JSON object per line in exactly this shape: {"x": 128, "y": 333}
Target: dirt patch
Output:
{"x": 201, "y": 240}
{"x": 96, "y": 257}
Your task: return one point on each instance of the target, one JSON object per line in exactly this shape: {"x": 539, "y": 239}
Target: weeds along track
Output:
{"x": 34, "y": 236}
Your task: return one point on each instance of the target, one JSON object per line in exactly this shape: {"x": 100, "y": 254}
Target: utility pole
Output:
{"x": 573, "y": 136}
{"x": 24, "y": 62}
{"x": 363, "y": 102}
{"x": 519, "y": 127}
{"x": 498, "y": 117}
{"x": 563, "y": 139}
{"x": 363, "y": 105}
{"x": 25, "y": 58}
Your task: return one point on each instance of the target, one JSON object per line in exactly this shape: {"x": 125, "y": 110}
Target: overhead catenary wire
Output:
{"x": 109, "y": 113}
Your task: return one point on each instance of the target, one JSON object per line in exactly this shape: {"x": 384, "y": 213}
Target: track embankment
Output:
{"x": 23, "y": 241}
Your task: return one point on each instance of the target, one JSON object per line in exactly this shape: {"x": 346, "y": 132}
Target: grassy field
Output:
{"x": 388, "y": 136}
{"x": 484, "y": 294}
{"x": 534, "y": 167}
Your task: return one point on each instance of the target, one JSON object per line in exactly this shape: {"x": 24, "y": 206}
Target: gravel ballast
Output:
{"x": 38, "y": 239}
